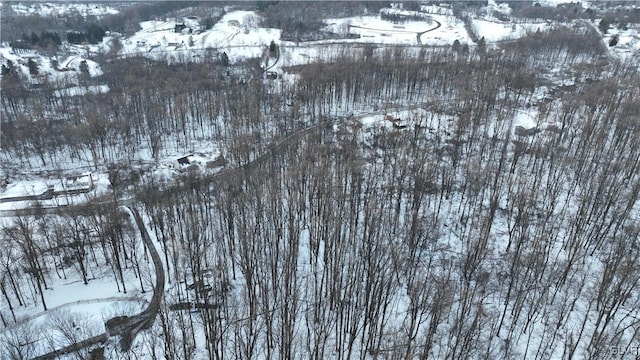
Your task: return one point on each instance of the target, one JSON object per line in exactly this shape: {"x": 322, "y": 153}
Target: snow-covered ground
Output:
{"x": 376, "y": 30}
{"x": 66, "y": 72}
{"x": 493, "y": 31}
{"x": 236, "y": 33}
{"x": 239, "y": 35}
{"x": 436, "y": 29}
{"x": 451, "y": 29}
{"x": 628, "y": 44}
{"x": 86, "y": 306}
{"x": 82, "y": 90}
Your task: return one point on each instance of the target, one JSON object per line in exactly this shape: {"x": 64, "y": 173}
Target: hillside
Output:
{"x": 306, "y": 180}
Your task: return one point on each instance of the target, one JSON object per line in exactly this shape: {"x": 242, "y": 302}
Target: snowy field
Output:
{"x": 237, "y": 34}
{"x": 99, "y": 186}
{"x": 628, "y": 44}
{"x": 493, "y": 31}
{"x": 437, "y": 30}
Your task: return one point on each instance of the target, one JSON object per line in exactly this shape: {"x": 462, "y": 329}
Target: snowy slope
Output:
{"x": 64, "y": 73}
{"x": 236, "y": 33}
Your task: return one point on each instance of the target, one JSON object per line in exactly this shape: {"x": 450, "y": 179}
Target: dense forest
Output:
{"x": 452, "y": 237}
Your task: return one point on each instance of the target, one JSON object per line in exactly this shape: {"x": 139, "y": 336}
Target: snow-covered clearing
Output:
{"x": 236, "y": 33}
{"x": 627, "y": 46}
{"x": 451, "y": 29}
{"x": 436, "y": 29}
{"x": 493, "y": 31}
{"x": 82, "y": 90}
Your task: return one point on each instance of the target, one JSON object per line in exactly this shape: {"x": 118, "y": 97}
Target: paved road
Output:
{"x": 438, "y": 24}
{"x": 129, "y": 326}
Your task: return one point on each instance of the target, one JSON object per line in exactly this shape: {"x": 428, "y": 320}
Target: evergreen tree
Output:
{"x": 456, "y": 45}
{"x": 224, "y": 59}
{"x": 33, "y": 67}
{"x": 84, "y": 71}
{"x": 614, "y": 40}
{"x": 273, "y": 47}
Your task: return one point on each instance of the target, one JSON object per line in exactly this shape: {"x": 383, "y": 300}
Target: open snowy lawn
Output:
{"x": 82, "y": 90}
{"x": 99, "y": 297}
{"x": 377, "y": 24}
{"x": 75, "y": 63}
{"x": 497, "y": 31}
{"x": 627, "y": 47}
{"x": 36, "y": 187}
{"x": 373, "y": 29}
{"x": 22, "y": 188}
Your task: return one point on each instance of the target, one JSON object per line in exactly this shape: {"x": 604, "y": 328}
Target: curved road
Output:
{"x": 129, "y": 326}
{"x": 438, "y": 24}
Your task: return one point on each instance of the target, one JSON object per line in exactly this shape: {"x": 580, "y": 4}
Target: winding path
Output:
{"x": 438, "y": 24}
{"x": 129, "y": 326}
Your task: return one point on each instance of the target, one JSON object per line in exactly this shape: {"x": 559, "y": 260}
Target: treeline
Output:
{"x": 128, "y": 19}
{"x": 571, "y": 11}
{"x": 14, "y": 27}
{"x": 93, "y": 35}
{"x": 400, "y": 17}
{"x": 620, "y": 14}
{"x": 46, "y": 40}
{"x": 50, "y": 41}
